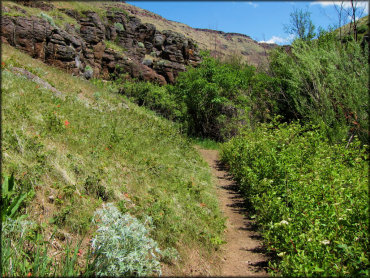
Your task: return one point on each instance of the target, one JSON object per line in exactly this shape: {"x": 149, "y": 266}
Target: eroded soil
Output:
{"x": 243, "y": 253}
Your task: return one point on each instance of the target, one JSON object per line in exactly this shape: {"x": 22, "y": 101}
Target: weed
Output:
{"x": 24, "y": 252}
{"x": 10, "y": 200}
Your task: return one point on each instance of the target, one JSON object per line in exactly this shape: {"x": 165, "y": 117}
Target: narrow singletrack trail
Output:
{"x": 242, "y": 254}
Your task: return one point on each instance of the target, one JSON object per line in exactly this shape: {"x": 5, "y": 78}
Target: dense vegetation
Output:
{"x": 307, "y": 180}
{"x": 212, "y": 100}
{"x": 305, "y": 174}
{"x": 310, "y": 197}
{"x": 325, "y": 82}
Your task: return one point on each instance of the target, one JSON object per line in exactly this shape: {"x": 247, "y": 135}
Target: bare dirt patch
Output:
{"x": 243, "y": 253}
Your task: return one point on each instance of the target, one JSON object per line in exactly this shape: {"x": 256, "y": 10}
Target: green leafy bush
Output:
{"x": 326, "y": 82}
{"x": 212, "y": 100}
{"x": 154, "y": 97}
{"x": 218, "y": 97}
{"x": 310, "y": 197}
{"x": 123, "y": 245}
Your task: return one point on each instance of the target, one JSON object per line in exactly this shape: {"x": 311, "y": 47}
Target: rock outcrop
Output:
{"x": 144, "y": 52}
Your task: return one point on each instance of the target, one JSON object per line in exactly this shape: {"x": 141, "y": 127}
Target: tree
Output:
{"x": 356, "y": 11}
{"x": 341, "y": 17}
{"x": 301, "y": 25}
{"x": 349, "y": 10}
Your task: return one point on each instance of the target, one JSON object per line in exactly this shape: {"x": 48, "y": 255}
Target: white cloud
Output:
{"x": 254, "y": 5}
{"x": 279, "y": 40}
{"x": 346, "y": 4}
{"x": 350, "y": 18}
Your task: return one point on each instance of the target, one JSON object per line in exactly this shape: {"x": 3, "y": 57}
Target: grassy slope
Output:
{"x": 89, "y": 149}
{"x": 58, "y": 17}
{"x": 347, "y": 29}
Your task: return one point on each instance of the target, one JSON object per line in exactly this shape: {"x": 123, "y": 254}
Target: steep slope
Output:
{"x": 81, "y": 145}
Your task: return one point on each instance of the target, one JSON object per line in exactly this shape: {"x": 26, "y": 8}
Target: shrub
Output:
{"x": 48, "y": 18}
{"x": 325, "y": 82}
{"x": 310, "y": 197}
{"x": 123, "y": 245}
{"x": 119, "y": 26}
{"x": 154, "y": 97}
{"x": 216, "y": 96}
{"x": 362, "y": 29}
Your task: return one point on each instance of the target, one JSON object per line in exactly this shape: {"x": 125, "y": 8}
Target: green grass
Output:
{"x": 114, "y": 46}
{"x": 206, "y": 143}
{"x": 58, "y": 17}
{"x": 80, "y": 6}
{"x": 89, "y": 149}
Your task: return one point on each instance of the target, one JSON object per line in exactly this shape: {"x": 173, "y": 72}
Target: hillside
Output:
{"x": 73, "y": 146}
{"x": 117, "y": 40}
{"x": 362, "y": 29}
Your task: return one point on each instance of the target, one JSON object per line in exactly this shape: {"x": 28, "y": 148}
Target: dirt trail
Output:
{"x": 242, "y": 255}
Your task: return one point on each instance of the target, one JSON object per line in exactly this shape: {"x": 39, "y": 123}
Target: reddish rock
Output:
{"x": 99, "y": 50}
{"x": 73, "y": 49}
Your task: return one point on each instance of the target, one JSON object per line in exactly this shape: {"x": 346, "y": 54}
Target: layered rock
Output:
{"x": 147, "y": 53}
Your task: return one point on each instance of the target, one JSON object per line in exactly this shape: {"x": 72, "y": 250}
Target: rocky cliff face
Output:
{"x": 140, "y": 50}
{"x": 224, "y": 46}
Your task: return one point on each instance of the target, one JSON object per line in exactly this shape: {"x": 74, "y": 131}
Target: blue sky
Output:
{"x": 261, "y": 20}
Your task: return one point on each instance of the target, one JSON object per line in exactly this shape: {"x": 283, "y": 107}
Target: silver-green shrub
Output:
{"x": 119, "y": 26}
{"x": 48, "y": 18}
{"x": 123, "y": 246}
